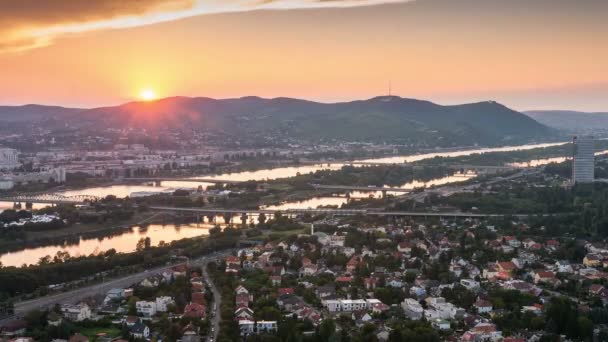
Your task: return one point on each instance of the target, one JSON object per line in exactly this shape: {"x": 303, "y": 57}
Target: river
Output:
{"x": 291, "y": 171}
{"x": 123, "y": 243}
{"x": 126, "y": 242}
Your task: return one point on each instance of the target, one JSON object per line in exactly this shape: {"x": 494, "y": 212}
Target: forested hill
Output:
{"x": 380, "y": 119}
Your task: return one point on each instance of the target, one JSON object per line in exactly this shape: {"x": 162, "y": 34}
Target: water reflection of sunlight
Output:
{"x": 122, "y": 243}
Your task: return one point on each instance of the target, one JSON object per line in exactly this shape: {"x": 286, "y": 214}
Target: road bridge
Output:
{"x": 482, "y": 167}
{"x": 48, "y": 198}
{"x": 189, "y": 180}
{"x": 335, "y": 212}
{"x": 383, "y": 189}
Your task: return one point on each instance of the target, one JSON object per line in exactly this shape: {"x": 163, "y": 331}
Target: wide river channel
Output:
{"x": 127, "y": 241}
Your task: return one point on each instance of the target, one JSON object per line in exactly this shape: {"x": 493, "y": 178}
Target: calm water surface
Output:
{"x": 123, "y": 243}
{"x": 126, "y": 242}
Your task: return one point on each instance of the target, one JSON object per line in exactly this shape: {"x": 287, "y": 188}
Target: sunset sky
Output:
{"x": 527, "y": 54}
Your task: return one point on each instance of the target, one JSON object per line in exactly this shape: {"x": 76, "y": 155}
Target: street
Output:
{"x": 217, "y": 301}
{"x": 73, "y": 296}
{"x": 76, "y": 295}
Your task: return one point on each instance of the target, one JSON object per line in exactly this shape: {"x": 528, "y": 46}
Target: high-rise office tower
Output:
{"x": 583, "y": 161}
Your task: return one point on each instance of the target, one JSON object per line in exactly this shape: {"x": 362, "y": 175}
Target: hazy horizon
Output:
{"x": 126, "y": 101}
{"x": 527, "y": 55}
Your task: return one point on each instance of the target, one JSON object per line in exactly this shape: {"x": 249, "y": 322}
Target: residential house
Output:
{"x": 139, "y": 330}
{"x": 179, "y": 270}
{"x": 546, "y": 277}
{"x": 163, "y": 302}
{"x": 412, "y": 309}
{"x": 592, "y": 260}
{"x": 145, "y": 308}
{"x": 483, "y": 306}
{"x": 470, "y": 284}
{"x": 194, "y": 310}
{"x": 76, "y": 313}
{"x": 243, "y": 313}
{"x": 361, "y": 317}
{"x": 246, "y": 327}
{"x": 266, "y": 326}
{"x": 441, "y": 324}
{"x": 352, "y": 264}
{"x": 563, "y": 266}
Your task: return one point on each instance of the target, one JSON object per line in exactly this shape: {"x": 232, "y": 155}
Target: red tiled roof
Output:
{"x": 344, "y": 279}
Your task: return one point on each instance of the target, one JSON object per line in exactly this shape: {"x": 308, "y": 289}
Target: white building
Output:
{"x": 412, "y": 309}
{"x": 9, "y": 158}
{"x": 332, "y": 305}
{"x": 439, "y": 308}
{"x": 470, "y": 284}
{"x": 441, "y": 324}
{"x": 162, "y": 303}
{"x": 349, "y": 305}
{"x": 583, "y": 165}
{"x": 266, "y": 326}
{"x": 6, "y": 183}
{"x": 76, "y": 313}
{"x": 337, "y": 240}
{"x": 246, "y": 327}
{"x": 148, "y": 309}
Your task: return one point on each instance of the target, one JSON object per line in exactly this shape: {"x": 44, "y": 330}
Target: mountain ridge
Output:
{"x": 571, "y": 121}
{"x": 379, "y": 119}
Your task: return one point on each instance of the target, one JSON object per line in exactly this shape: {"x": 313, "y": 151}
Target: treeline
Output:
{"x": 583, "y": 209}
{"x": 11, "y": 215}
{"x": 392, "y": 174}
{"x": 564, "y": 169}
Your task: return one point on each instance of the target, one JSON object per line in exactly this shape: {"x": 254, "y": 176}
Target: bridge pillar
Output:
{"x": 29, "y": 205}
{"x": 17, "y": 205}
{"x": 383, "y": 193}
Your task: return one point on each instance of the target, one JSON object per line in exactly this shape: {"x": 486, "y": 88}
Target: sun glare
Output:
{"x": 147, "y": 94}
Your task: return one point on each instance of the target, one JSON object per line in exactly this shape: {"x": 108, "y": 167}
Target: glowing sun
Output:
{"x": 147, "y": 94}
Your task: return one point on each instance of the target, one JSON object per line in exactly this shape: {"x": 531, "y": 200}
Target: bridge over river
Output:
{"x": 158, "y": 180}
{"x": 48, "y": 198}
{"x": 334, "y": 212}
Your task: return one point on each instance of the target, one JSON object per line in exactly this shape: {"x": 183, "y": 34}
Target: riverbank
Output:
{"x": 286, "y": 190}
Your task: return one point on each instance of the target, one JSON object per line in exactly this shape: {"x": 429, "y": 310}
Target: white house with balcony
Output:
{"x": 76, "y": 313}
{"x": 146, "y": 308}
{"x": 163, "y": 302}
{"x": 266, "y": 326}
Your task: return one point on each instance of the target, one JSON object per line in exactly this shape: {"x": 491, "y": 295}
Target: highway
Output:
{"x": 76, "y": 295}
{"x": 359, "y": 188}
{"x": 343, "y": 212}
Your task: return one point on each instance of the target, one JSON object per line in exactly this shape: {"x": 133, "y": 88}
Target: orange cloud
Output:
{"x": 27, "y": 24}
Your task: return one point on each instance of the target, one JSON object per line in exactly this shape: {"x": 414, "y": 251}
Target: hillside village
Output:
{"x": 454, "y": 280}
